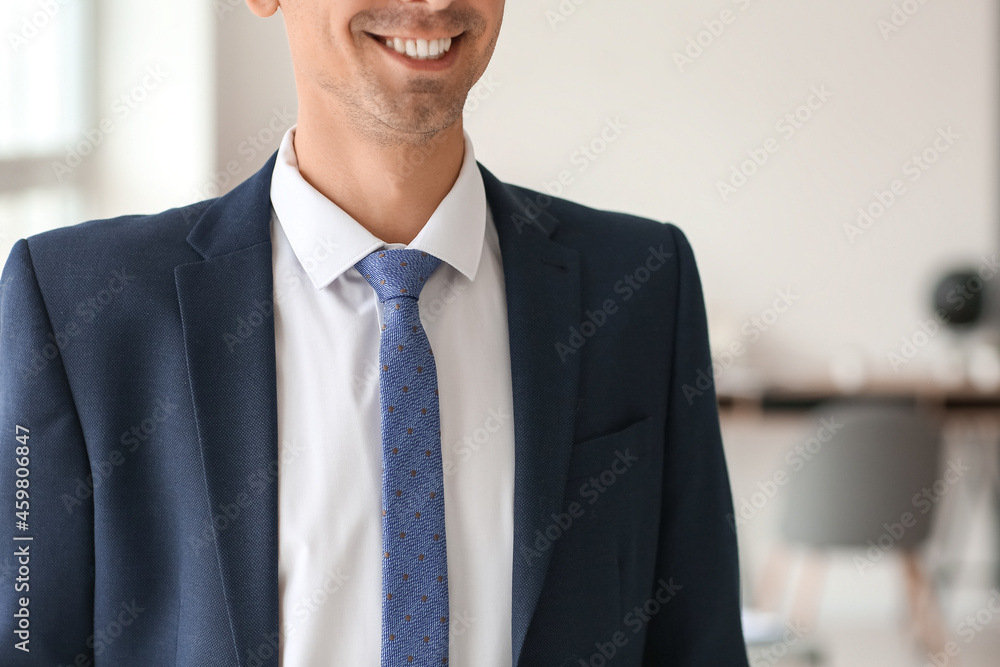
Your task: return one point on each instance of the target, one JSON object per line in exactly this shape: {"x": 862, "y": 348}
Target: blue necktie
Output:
{"x": 414, "y": 563}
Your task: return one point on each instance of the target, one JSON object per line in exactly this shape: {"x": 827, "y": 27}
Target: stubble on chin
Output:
{"x": 410, "y": 118}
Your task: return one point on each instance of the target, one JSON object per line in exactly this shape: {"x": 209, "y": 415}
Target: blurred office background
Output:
{"x": 832, "y": 164}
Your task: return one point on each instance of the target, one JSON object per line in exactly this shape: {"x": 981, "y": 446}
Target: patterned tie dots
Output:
{"x": 414, "y": 560}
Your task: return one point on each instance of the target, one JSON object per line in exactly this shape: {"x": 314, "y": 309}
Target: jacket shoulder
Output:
{"x": 582, "y": 226}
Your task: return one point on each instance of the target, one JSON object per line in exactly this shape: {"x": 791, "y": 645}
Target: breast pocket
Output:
{"x": 624, "y": 447}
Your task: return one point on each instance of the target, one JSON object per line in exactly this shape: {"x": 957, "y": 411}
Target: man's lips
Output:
{"x": 414, "y": 37}
{"x": 434, "y": 53}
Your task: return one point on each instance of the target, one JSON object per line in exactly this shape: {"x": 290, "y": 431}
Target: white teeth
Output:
{"x": 420, "y": 49}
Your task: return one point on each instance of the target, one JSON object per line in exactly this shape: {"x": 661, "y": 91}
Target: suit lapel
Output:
{"x": 226, "y": 303}
{"x": 226, "y": 311}
{"x": 542, "y": 282}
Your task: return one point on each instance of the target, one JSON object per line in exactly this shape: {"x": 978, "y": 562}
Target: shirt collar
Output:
{"x": 327, "y": 241}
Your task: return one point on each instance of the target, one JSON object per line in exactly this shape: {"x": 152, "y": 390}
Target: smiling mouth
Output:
{"x": 418, "y": 48}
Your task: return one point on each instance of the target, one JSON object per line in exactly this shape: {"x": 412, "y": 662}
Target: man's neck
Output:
{"x": 390, "y": 190}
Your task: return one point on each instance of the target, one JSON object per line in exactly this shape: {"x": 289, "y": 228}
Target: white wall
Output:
{"x": 255, "y": 93}
{"x": 146, "y": 139}
{"x": 160, "y": 148}
{"x": 687, "y": 126}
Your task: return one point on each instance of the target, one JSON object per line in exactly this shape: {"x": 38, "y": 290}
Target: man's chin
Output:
{"x": 415, "y": 119}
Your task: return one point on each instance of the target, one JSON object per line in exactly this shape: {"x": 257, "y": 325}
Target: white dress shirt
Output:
{"x": 327, "y": 322}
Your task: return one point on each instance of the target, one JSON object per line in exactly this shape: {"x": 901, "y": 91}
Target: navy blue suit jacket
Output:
{"x": 138, "y": 422}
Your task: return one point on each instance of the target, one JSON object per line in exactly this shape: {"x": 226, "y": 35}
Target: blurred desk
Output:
{"x": 804, "y": 397}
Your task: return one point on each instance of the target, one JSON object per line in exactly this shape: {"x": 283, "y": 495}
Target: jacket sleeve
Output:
{"x": 697, "y": 562}
{"x": 47, "y": 561}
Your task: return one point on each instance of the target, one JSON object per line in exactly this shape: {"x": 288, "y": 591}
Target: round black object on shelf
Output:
{"x": 960, "y": 295}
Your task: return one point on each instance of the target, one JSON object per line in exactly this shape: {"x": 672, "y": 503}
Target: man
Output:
{"x": 373, "y": 406}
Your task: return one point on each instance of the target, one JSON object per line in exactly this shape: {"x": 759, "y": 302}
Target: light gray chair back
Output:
{"x": 873, "y": 476}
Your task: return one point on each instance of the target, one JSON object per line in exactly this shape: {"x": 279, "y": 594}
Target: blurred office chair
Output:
{"x": 870, "y": 486}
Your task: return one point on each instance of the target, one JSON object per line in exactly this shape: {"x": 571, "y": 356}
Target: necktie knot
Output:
{"x": 397, "y": 272}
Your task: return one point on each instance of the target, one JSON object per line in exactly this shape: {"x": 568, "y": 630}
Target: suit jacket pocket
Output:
{"x": 595, "y": 455}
